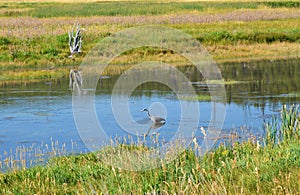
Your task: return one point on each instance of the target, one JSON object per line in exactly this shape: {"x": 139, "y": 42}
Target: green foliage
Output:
{"x": 290, "y": 123}
{"x": 136, "y": 8}
{"x": 269, "y": 37}
{"x": 52, "y": 51}
{"x": 4, "y": 41}
{"x": 18, "y": 54}
{"x": 108, "y": 9}
{"x": 225, "y": 36}
{"x": 286, "y": 128}
{"x": 288, "y": 4}
{"x": 191, "y": 6}
{"x": 62, "y": 40}
{"x": 128, "y": 8}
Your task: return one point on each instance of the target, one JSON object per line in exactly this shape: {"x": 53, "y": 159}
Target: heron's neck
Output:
{"x": 148, "y": 113}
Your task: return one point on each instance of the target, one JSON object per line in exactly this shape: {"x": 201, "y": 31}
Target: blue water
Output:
{"x": 43, "y": 119}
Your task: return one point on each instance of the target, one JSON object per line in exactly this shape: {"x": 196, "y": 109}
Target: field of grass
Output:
{"x": 34, "y": 39}
{"x": 109, "y": 8}
{"x": 268, "y": 166}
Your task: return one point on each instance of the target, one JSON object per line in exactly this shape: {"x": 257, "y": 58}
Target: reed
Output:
{"x": 285, "y": 128}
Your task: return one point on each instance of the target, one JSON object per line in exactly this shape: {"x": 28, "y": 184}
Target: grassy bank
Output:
{"x": 271, "y": 166}
{"x": 34, "y": 39}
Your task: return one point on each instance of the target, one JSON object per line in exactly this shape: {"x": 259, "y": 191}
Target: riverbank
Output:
{"x": 34, "y": 36}
{"x": 263, "y": 166}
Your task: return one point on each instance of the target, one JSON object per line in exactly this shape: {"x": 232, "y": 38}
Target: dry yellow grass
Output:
{"x": 222, "y": 53}
{"x": 258, "y": 51}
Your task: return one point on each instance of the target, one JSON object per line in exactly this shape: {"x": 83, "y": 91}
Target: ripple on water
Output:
{"x": 26, "y": 142}
{"x": 9, "y": 117}
{"x": 47, "y": 114}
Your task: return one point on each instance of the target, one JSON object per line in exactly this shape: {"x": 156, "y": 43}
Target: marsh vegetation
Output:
{"x": 33, "y": 36}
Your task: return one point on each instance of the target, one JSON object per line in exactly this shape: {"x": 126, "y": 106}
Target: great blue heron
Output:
{"x": 155, "y": 119}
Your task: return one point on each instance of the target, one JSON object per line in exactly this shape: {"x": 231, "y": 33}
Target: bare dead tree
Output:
{"x": 75, "y": 40}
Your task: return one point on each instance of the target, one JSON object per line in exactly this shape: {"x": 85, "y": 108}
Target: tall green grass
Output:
{"x": 286, "y": 128}
{"x": 45, "y": 10}
{"x": 242, "y": 168}
{"x": 145, "y": 8}
{"x": 225, "y": 36}
{"x": 288, "y": 4}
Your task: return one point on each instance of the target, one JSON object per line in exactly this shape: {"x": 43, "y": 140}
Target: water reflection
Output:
{"x": 154, "y": 126}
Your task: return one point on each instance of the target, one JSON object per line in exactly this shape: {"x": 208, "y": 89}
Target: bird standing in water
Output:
{"x": 155, "y": 119}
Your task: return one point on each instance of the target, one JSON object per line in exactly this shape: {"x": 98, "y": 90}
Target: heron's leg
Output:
{"x": 152, "y": 126}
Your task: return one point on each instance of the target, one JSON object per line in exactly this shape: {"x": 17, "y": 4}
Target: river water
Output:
{"x": 37, "y": 119}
